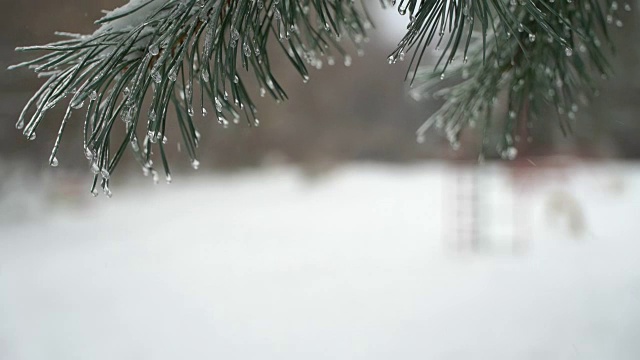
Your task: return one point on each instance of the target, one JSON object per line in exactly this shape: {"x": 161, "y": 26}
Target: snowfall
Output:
{"x": 427, "y": 261}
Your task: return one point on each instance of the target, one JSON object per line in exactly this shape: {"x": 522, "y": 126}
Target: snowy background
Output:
{"x": 365, "y": 262}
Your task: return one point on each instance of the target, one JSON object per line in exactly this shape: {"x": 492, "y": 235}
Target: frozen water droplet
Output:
{"x": 93, "y": 95}
{"x": 195, "y": 164}
{"x": 532, "y": 37}
{"x": 76, "y": 104}
{"x": 347, "y": 60}
{"x": 53, "y": 161}
{"x": 511, "y": 153}
{"x": 88, "y": 154}
{"x": 154, "y": 50}
{"x": 246, "y": 49}
{"x": 256, "y": 122}
{"x": 31, "y": 136}
{"x": 151, "y": 135}
{"x": 155, "y": 75}
{"x": 568, "y": 51}
{"x": 205, "y": 75}
{"x": 262, "y": 92}
{"x": 235, "y": 35}
{"x": 105, "y": 174}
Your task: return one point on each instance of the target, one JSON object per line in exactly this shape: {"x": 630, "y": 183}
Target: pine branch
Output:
{"x": 459, "y": 19}
{"x": 163, "y": 48}
{"x": 148, "y": 56}
{"x": 531, "y": 66}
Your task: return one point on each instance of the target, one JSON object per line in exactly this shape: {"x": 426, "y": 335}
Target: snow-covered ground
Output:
{"x": 364, "y": 263}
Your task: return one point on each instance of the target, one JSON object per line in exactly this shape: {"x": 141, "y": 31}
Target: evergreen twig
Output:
{"x": 163, "y": 48}
{"x": 533, "y": 67}
{"x": 157, "y": 51}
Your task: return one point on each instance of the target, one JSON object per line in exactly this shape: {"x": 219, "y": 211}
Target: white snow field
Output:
{"x": 364, "y": 263}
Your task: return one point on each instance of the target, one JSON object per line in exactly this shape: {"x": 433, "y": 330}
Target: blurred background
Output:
{"x": 328, "y": 231}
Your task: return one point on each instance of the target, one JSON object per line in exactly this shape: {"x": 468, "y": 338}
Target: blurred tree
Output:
{"x": 148, "y": 56}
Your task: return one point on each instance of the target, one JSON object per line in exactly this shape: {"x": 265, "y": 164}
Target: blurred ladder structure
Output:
{"x": 485, "y": 210}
